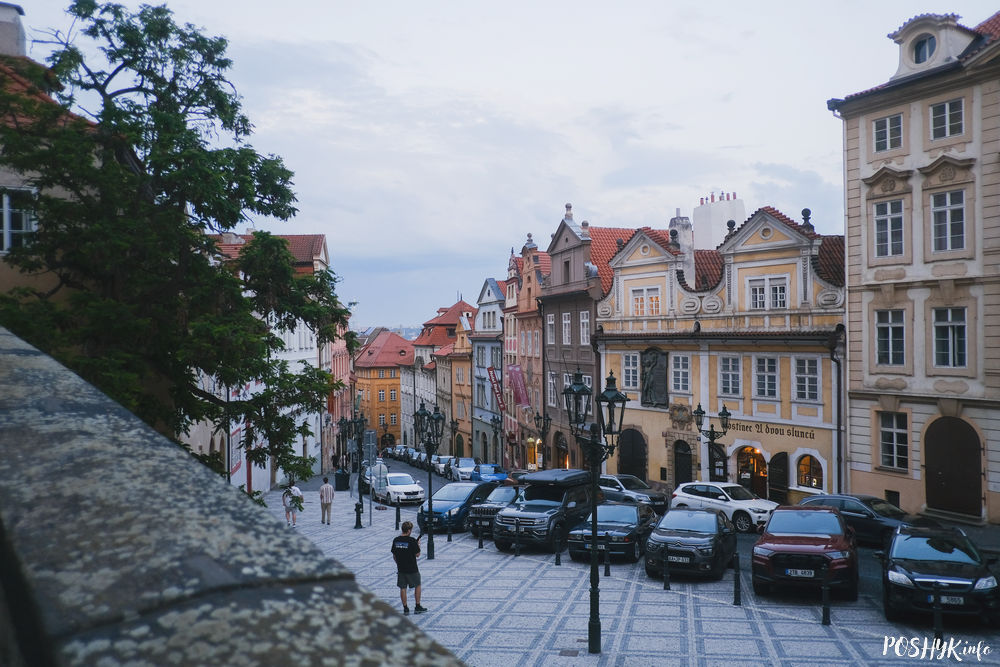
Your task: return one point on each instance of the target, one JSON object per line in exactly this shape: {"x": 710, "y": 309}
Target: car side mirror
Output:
{"x": 571, "y": 504}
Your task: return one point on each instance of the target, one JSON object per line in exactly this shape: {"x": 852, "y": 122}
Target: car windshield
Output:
{"x": 738, "y": 493}
{"x": 633, "y": 483}
{"x": 399, "y": 479}
{"x": 703, "y": 522}
{"x": 615, "y": 514}
{"x": 465, "y": 463}
{"x": 792, "y": 522}
{"x": 885, "y": 508}
{"x": 551, "y": 495}
{"x": 490, "y": 470}
{"x": 936, "y": 548}
{"x": 453, "y": 492}
{"x": 502, "y": 494}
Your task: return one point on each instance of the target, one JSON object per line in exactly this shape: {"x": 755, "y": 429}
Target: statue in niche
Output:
{"x": 654, "y": 378}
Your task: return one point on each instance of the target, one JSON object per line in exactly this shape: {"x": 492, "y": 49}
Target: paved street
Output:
{"x": 492, "y": 608}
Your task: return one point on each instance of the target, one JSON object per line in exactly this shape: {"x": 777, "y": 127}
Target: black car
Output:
{"x": 694, "y": 541}
{"x": 920, "y": 559}
{"x": 630, "y": 487}
{"x": 452, "y": 503}
{"x": 622, "y": 529}
{"x": 481, "y": 515}
{"x": 873, "y": 519}
{"x": 552, "y": 502}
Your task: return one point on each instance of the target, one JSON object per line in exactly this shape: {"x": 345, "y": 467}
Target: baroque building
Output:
{"x": 923, "y": 272}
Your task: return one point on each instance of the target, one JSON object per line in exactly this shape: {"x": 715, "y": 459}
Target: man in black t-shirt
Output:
{"x": 405, "y": 550}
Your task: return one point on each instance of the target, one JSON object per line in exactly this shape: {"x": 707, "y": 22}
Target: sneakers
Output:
{"x": 420, "y": 609}
{"x": 406, "y": 611}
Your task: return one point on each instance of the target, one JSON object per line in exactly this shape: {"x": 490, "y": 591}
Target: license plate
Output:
{"x": 948, "y": 599}
{"x": 600, "y": 547}
{"x": 484, "y": 522}
{"x": 678, "y": 559}
{"x": 800, "y": 573}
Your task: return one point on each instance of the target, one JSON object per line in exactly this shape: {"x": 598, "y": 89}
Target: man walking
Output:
{"x": 292, "y": 500}
{"x": 325, "y": 501}
{"x": 405, "y": 550}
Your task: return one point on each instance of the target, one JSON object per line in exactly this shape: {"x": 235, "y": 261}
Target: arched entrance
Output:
{"x": 682, "y": 463}
{"x": 953, "y": 470}
{"x": 484, "y": 451}
{"x": 459, "y": 446}
{"x": 777, "y": 478}
{"x": 632, "y": 454}
{"x": 752, "y": 471}
{"x": 561, "y": 452}
{"x": 718, "y": 468}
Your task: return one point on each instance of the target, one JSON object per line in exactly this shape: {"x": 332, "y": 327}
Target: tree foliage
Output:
{"x": 136, "y": 169}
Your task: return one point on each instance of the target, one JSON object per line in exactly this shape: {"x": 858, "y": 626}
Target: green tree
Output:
{"x": 138, "y": 165}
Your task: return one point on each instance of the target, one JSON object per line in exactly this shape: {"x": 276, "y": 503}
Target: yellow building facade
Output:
{"x": 755, "y": 327}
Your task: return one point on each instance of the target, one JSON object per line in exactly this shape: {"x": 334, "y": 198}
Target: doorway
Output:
{"x": 953, "y": 467}
{"x": 632, "y": 454}
{"x": 777, "y": 478}
{"x": 682, "y": 463}
{"x": 752, "y": 471}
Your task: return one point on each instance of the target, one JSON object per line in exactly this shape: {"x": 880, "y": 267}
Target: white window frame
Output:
{"x": 943, "y": 121}
{"x": 766, "y": 377}
{"x": 392, "y": 419}
{"x": 7, "y": 233}
{"x": 889, "y": 228}
{"x": 552, "y": 389}
{"x": 894, "y": 440}
{"x": 807, "y": 380}
{"x": 890, "y": 337}
{"x": 567, "y": 328}
{"x": 584, "y": 327}
{"x": 645, "y": 301}
{"x": 730, "y": 375}
{"x": 381, "y": 395}
{"x": 951, "y": 337}
{"x": 680, "y": 373}
{"x": 550, "y": 329}
{"x": 947, "y": 215}
{"x": 887, "y": 133}
{"x": 767, "y": 293}
{"x": 630, "y": 370}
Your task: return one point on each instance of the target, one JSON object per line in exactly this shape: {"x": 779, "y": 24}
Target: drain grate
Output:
{"x": 569, "y": 653}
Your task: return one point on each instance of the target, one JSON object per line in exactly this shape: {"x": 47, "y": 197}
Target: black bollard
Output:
{"x": 517, "y": 536}
{"x": 397, "y": 515}
{"x": 737, "y": 594}
{"x": 449, "y": 529}
{"x": 607, "y": 556}
{"x": 826, "y": 595}
{"x": 665, "y": 566}
{"x": 358, "y": 506}
{"x": 481, "y": 531}
{"x": 559, "y": 548}
{"x": 938, "y": 627}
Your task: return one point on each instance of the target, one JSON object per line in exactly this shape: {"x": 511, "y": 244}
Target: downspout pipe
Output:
{"x": 833, "y": 342}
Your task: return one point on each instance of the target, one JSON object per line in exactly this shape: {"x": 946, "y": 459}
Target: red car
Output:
{"x": 802, "y": 545}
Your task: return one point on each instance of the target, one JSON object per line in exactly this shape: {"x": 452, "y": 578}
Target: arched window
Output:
{"x": 810, "y": 472}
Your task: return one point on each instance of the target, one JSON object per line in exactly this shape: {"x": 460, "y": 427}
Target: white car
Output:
{"x": 399, "y": 487}
{"x": 461, "y": 468}
{"x": 743, "y": 508}
{"x": 440, "y": 463}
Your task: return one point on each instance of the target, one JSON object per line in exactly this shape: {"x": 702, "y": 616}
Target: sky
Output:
{"x": 429, "y": 138}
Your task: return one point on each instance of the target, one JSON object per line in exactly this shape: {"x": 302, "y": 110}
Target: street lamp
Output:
{"x": 430, "y": 427}
{"x": 453, "y": 425}
{"x": 358, "y": 429}
{"x": 495, "y": 423}
{"x": 344, "y": 426}
{"x": 610, "y": 412}
{"x": 711, "y": 433}
{"x": 542, "y": 424}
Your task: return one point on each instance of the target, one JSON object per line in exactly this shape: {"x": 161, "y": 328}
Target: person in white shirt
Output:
{"x": 292, "y": 500}
{"x": 325, "y": 501}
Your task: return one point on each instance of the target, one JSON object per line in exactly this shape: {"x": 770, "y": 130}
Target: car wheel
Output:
{"x": 656, "y": 574}
{"x": 742, "y": 522}
{"x": 681, "y": 505}
{"x": 636, "y": 552}
{"x": 891, "y": 613}
{"x": 502, "y": 545}
{"x": 759, "y": 587}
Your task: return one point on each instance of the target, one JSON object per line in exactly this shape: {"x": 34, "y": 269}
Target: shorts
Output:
{"x": 408, "y": 579}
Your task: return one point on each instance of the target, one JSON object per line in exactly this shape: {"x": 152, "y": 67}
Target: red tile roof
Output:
{"x": 305, "y": 248}
{"x": 388, "y": 349}
{"x": 16, "y": 77}
{"x": 435, "y": 332}
{"x": 829, "y": 262}
{"x": 544, "y": 262}
{"x": 604, "y": 246}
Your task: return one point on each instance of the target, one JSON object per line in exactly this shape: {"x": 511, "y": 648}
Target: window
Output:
{"x": 584, "y": 327}
{"x": 767, "y": 377}
{"x": 392, "y": 419}
{"x": 496, "y": 357}
{"x": 680, "y": 366}
{"x": 481, "y": 393}
{"x": 888, "y": 133}
{"x": 948, "y": 214}
{"x": 630, "y": 371}
{"x": 481, "y": 356}
{"x": 946, "y": 119}
{"x": 767, "y": 293}
{"x": 381, "y": 373}
{"x": 381, "y": 420}
{"x": 729, "y": 380}
{"x": 392, "y": 372}
{"x": 550, "y": 329}
{"x": 458, "y": 375}
{"x": 392, "y": 394}
{"x": 889, "y": 228}
{"x": 552, "y": 388}
{"x": 521, "y": 349}
{"x": 807, "y": 379}
{"x": 810, "y": 472}
{"x": 645, "y": 301}
{"x": 949, "y": 337}
{"x": 537, "y": 336}
{"x": 890, "y": 334}
{"x": 567, "y": 331}
{"x": 566, "y": 276}
{"x": 894, "y": 439}
{"x": 923, "y": 48}
{"x": 381, "y": 395}
{"x": 17, "y": 220}
{"x": 567, "y": 380}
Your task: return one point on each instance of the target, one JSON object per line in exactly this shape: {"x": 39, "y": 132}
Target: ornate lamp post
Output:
{"x": 711, "y": 433}
{"x": 542, "y": 424}
{"x": 495, "y": 423}
{"x": 610, "y": 411}
{"x": 358, "y": 430}
{"x": 453, "y": 425}
{"x": 385, "y": 435}
{"x": 342, "y": 436}
{"x": 430, "y": 427}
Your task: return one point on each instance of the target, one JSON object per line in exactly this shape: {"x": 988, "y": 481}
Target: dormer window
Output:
{"x": 923, "y": 48}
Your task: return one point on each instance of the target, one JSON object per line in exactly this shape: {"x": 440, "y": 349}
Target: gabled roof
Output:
{"x": 604, "y": 246}
{"x": 306, "y": 249}
{"x": 435, "y": 331}
{"x": 388, "y": 349}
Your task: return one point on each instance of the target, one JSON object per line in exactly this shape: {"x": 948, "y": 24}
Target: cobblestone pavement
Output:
{"x": 493, "y": 608}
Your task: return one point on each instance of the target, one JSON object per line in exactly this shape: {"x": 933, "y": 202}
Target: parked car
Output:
{"x": 485, "y": 472}
{"x": 398, "y": 487}
{"x": 622, "y": 530}
{"x": 802, "y": 545}
{"x": 373, "y": 474}
{"x": 740, "y": 506}
{"x": 919, "y": 557}
{"x": 552, "y": 501}
{"x": 630, "y": 487}
{"x": 409, "y": 453}
{"x": 481, "y": 515}
{"x": 419, "y": 460}
{"x": 452, "y": 503}
{"x": 441, "y": 465}
{"x": 461, "y": 468}
{"x": 398, "y": 452}
{"x": 873, "y": 519}
{"x": 700, "y": 541}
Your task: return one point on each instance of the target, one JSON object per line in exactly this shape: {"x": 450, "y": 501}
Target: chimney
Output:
{"x": 12, "y": 39}
{"x": 585, "y": 228}
{"x": 569, "y": 212}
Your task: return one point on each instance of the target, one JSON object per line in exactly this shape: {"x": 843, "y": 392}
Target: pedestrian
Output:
{"x": 405, "y": 550}
{"x": 325, "y": 501}
{"x": 292, "y": 500}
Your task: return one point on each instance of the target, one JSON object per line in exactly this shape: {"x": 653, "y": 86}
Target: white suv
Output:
{"x": 743, "y": 508}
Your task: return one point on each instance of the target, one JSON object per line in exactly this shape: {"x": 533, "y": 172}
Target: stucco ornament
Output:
{"x": 680, "y": 417}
